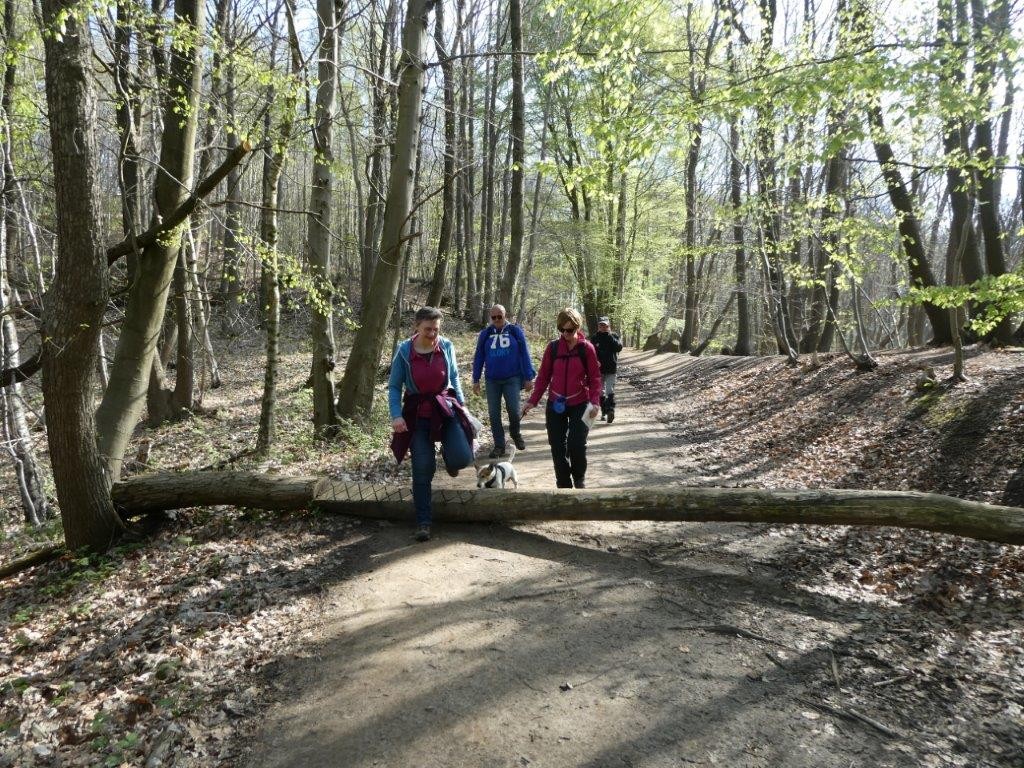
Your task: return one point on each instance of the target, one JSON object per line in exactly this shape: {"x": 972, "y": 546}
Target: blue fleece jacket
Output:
{"x": 503, "y": 354}
{"x": 401, "y": 374}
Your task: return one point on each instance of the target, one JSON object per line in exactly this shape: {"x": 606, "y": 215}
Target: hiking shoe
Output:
{"x": 611, "y": 416}
{"x": 452, "y": 472}
{"x": 423, "y": 533}
{"x": 604, "y": 416}
{"x": 520, "y": 443}
{"x": 496, "y": 452}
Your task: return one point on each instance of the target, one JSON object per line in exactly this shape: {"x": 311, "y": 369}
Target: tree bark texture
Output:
{"x": 356, "y": 391}
{"x": 80, "y": 289}
{"x": 273, "y": 167}
{"x": 986, "y": 29}
{"x": 506, "y": 291}
{"x": 325, "y": 418}
{"x": 444, "y": 237}
{"x": 125, "y": 395}
{"x": 690, "y": 240}
{"x": 906, "y": 509}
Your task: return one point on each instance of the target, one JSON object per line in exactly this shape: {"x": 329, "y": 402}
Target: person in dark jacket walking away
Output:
{"x": 502, "y": 351}
{"x": 608, "y": 347}
{"x": 430, "y": 411}
{"x": 570, "y": 368}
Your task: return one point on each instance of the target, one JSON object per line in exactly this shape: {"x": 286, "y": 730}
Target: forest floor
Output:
{"x": 242, "y": 638}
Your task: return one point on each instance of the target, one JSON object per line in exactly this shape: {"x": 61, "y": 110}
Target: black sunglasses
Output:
{"x": 568, "y": 330}
{"x": 496, "y": 317}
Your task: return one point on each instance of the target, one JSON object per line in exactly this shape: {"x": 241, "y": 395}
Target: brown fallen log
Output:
{"x": 904, "y": 509}
{"x": 40, "y": 556}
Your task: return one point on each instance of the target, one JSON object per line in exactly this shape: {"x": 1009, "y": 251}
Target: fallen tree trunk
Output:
{"x": 927, "y": 511}
{"x": 40, "y": 556}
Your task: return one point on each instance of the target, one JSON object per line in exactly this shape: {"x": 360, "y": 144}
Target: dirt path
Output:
{"x": 611, "y": 644}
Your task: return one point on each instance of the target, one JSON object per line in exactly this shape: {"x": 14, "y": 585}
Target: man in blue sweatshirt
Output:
{"x": 501, "y": 349}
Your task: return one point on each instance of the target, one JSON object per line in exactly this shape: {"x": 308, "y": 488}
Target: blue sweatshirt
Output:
{"x": 503, "y": 353}
{"x": 401, "y": 374}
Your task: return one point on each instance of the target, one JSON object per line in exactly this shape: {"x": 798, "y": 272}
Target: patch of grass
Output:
{"x": 82, "y": 610}
{"x": 87, "y": 570}
{"x": 18, "y": 684}
{"x": 24, "y": 614}
{"x": 363, "y": 440}
{"x": 923, "y": 404}
{"x": 100, "y": 723}
{"x": 945, "y": 411}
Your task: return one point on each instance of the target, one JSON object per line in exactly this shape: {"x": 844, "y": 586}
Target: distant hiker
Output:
{"x": 608, "y": 347}
{"x": 502, "y": 351}
{"x": 571, "y": 369}
{"x": 431, "y": 411}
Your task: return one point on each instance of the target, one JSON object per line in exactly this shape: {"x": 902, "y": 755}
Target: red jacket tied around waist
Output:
{"x": 570, "y": 373}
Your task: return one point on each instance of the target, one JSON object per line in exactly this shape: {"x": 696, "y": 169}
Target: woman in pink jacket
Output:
{"x": 571, "y": 370}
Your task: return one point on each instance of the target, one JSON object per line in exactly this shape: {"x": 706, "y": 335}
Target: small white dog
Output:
{"x": 496, "y": 474}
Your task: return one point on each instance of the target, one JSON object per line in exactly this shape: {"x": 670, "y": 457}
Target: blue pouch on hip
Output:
{"x": 558, "y": 406}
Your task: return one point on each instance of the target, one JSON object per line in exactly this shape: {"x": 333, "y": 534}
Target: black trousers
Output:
{"x": 567, "y": 436}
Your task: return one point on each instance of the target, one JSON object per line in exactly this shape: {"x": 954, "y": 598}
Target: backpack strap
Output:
{"x": 580, "y": 351}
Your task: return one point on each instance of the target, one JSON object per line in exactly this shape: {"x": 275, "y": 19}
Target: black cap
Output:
{"x": 603, "y": 320}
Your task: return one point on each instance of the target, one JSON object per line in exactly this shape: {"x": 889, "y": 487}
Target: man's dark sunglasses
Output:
{"x": 496, "y": 317}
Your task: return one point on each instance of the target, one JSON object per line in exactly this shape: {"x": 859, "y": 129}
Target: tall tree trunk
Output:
{"x": 822, "y": 324}
{"x": 185, "y": 366}
{"x": 690, "y": 241}
{"x": 80, "y": 289}
{"x": 620, "y": 269}
{"x": 444, "y": 237}
{"x": 957, "y": 150}
{"x": 468, "y": 135}
{"x": 987, "y": 30}
{"x": 231, "y": 287}
{"x": 744, "y": 345}
{"x": 910, "y": 230}
{"x": 770, "y": 216}
{"x": 127, "y": 116}
{"x": 506, "y": 292}
{"x": 200, "y": 227}
{"x": 355, "y": 397}
{"x": 380, "y": 62}
{"x": 524, "y": 288}
{"x": 486, "y": 246}
{"x": 273, "y": 167}
{"x": 122, "y": 402}
{"x": 318, "y": 252}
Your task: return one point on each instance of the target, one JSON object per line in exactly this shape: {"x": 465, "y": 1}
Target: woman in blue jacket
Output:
{"x": 501, "y": 349}
{"x": 430, "y": 411}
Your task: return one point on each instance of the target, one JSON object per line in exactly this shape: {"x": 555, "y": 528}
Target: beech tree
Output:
{"x": 355, "y": 395}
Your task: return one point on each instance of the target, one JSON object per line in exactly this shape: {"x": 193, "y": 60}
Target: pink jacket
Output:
{"x": 568, "y": 372}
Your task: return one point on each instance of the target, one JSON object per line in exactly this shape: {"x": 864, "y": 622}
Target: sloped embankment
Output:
{"x": 755, "y": 421}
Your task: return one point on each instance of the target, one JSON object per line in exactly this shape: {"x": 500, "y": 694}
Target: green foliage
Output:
{"x": 996, "y": 296}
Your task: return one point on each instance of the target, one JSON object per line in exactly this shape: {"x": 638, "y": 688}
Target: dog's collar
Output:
{"x": 493, "y": 481}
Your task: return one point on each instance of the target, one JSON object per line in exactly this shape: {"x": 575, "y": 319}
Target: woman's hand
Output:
{"x": 399, "y": 425}
{"x": 593, "y": 411}
{"x": 527, "y": 407}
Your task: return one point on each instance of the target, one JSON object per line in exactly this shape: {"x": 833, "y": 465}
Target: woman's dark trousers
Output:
{"x": 567, "y": 436}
